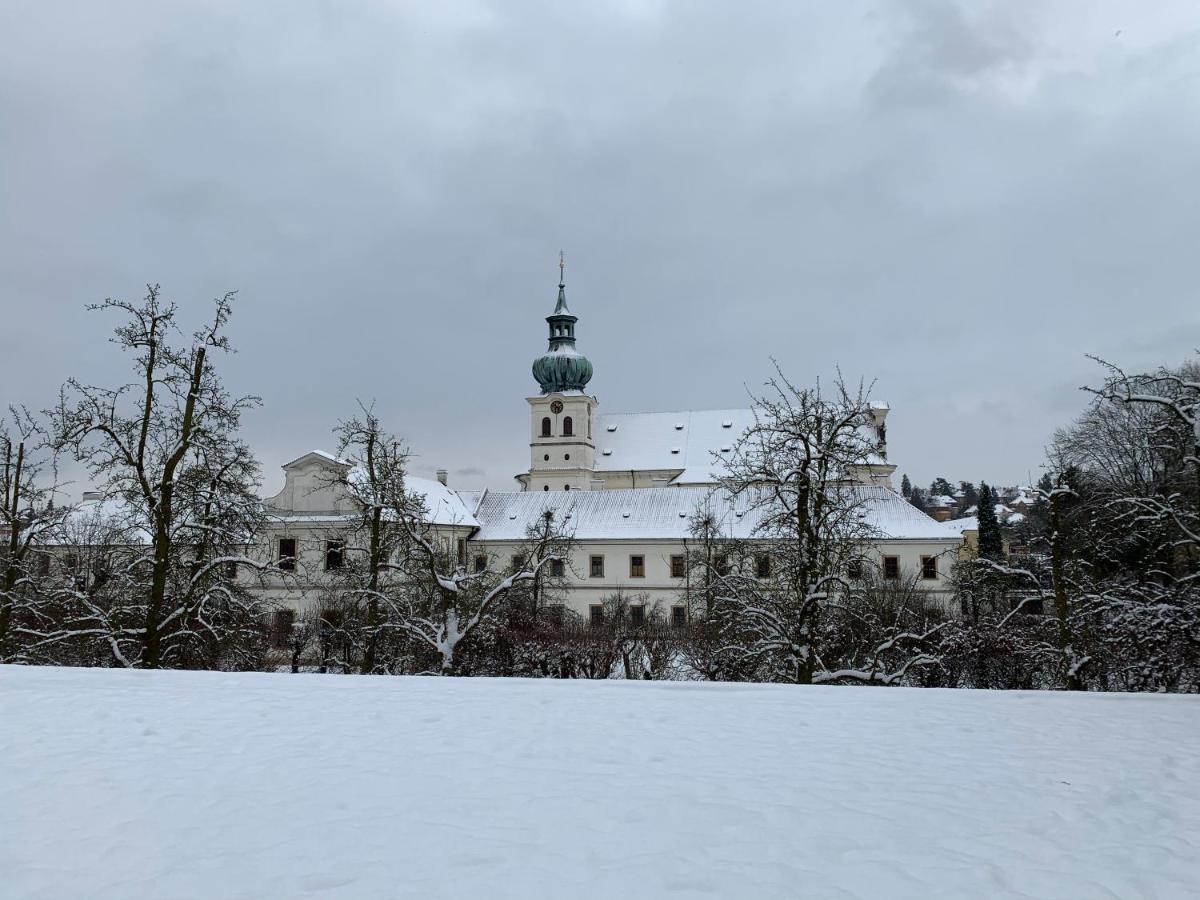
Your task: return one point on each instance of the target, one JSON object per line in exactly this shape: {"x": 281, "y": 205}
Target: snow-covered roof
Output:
{"x": 684, "y": 441}
{"x": 664, "y": 513}
{"x": 446, "y": 507}
{"x": 635, "y": 513}
{"x": 99, "y": 520}
{"x": 967, "y": 523}
{"x": 894, "y": 517}
{"x": 323, "y": 454}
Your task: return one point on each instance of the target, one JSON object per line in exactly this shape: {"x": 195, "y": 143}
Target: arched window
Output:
{"x": 546, "y": 426}
{"x": 568, "y": 426}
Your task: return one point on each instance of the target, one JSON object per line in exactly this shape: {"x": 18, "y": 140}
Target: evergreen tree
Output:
{"x": 940, "y": 487}
{"x": 917, "y": 498}
{"x": 991, "y": 544}
{"x": 970, "y": 497}
{"x": 905, "y": 487}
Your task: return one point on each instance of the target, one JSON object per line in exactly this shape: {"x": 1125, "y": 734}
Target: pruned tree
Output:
{"x": 163, "y": 449}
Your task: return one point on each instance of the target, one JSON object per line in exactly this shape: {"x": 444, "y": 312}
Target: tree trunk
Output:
{"x": 1072, "y": 682}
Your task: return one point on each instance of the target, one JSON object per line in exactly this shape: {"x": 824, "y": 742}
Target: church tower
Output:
{"x": 562, "y": 417}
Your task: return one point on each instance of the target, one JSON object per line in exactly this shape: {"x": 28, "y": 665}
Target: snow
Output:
{"x": 967, "y": 523}
{"x": 124, "y": 784}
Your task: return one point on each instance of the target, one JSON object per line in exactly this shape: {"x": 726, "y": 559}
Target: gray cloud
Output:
{"x": 958, "y": 201}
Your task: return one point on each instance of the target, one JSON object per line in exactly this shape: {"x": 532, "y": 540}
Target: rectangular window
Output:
{"x": 678, "y": 616}
{"x": 928, "y": 567}
{"x": 462, "y": 552}
{"x": 678, "y": 566}
{"x": 557, "y": 568}
{"x": 231, "y": 571}
{"x": 287, "y": 554}
{"x": 637, "y": 567}
{"x": 762, "y": 566}
{"x": 481, "y": 562}
{"x": 335, "y": 555}
{"x": 637, "y": 616}
{"x": 854, "y": 569}
{"x": 281, "y": 628}
{"x": 70, "y": 563}
{"x": 891, "y": 567}
{"x": 518, "y": 562}
{"x": 596, "y": 614}
{"x": 43, "y": 564}
{"x": 721, "y": 564}
{"x": 596, "y": 567}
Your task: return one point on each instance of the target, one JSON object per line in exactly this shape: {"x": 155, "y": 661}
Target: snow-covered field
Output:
{"x": 137, "y": 784}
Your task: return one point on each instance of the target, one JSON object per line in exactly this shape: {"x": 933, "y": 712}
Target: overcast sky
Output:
{"x": 958, "y": 202}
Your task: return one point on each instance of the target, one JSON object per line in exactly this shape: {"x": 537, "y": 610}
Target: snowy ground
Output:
{"x": 136, "y": 784}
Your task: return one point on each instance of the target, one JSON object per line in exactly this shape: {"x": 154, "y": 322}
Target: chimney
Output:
{"x": 441, "y": 475}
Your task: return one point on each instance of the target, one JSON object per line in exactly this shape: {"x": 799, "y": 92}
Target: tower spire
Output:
{"x": 560, "y": 308}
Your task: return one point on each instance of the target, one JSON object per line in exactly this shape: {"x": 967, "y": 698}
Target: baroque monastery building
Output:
{"x": 624, "y": 485}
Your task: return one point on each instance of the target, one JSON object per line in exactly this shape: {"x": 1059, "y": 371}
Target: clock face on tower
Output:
{"x": 556, "y": 407}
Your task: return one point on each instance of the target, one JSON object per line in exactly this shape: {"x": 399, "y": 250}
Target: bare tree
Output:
{"x": 28, "y": 518}
{"x": 796, "y": 471}
{"x": 428, "y": 593}
{"x": 164, "y": 448}
{"x": 1166, "y": 492}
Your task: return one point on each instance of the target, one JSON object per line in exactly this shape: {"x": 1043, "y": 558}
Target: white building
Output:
{"x": 624, "y": 484}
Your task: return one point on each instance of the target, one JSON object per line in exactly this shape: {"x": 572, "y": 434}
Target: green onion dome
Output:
{"x": 562, "y": 367}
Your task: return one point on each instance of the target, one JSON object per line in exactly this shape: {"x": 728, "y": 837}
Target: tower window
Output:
{"x": 545, "y": 487}
{"x": 566, "y": 487}
{"x": 568, "y": 427}
{"x": 546, "y": 457}
{"x": 566, "y": 456}
{"x": 545, "y": 426}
